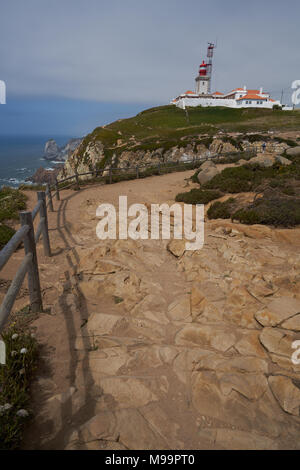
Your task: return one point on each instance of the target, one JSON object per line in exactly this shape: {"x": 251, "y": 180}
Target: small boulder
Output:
{"x": 264, "y": 161}
{"x": 208, "y": 164}
{"x": 293, "y": 152}
{"x": 176, "y": 247}
{"x": 282, "y": 160}
{"x": 206, "y": 175}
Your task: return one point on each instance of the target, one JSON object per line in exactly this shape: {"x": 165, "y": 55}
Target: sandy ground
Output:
{"x": 129, "y": 375}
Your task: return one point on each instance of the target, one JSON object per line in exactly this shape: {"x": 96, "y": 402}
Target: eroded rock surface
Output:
{"x": 182, "y": 349}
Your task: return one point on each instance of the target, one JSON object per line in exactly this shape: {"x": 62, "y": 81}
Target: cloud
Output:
{"x": 141, "y": 51}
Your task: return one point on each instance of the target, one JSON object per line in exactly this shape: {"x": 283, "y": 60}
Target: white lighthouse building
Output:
{"x": 203, "y": 81}
{"x": 237, "y": 98}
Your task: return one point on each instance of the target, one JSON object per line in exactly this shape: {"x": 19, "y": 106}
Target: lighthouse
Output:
{"x": 236, "y": 98}
{"x": 203, "y": 80}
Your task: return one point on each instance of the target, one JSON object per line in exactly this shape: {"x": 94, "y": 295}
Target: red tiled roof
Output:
{"x": 189, "y": 92}
{"x": 251, "y": 96}
{"x": 218, "y": 93}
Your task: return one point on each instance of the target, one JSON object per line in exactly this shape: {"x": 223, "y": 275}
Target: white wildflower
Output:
{"x": 15, "y": 336}
{"x": 5, "y": 407}
{"x": 23, "y": 351}
{"x": 13, "y": 353}
{"x": 22, "y": 413}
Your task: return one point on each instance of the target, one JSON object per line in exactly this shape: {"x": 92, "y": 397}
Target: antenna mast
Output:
{"x": 210, "y": 53}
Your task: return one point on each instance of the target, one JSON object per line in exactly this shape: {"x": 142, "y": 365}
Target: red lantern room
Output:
{"x": 203, "y": 69}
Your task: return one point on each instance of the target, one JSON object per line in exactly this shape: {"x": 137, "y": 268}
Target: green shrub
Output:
{"x": 257, "y": 138}
{"x": 11, "y": 202}
{"x": 221, "y": 210}
{"x": 198, "y": 196}
{"x": 232, "y": 180}
{"x": 276, "y": 211}
{"x": 32, "y": 187}
{"x": 289, "y": 142}
{"x": 5, "y": 234}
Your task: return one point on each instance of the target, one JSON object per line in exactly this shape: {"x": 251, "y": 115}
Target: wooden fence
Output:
{"x": 29, "y": 237}
{"x": 29, "y": 265}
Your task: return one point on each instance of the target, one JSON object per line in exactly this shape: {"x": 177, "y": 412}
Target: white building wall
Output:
{"x": 230, "y": 103}
{"x": 206, "y": 102}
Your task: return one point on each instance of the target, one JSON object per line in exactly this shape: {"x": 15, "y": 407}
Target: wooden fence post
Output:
{"x": 57, "y": 190}
{"x": 33, "y": 270}
{"x": 137, "y": 172}
{"x": 43, "y": 215}
{"x": 110, "y": 175}
{"x": 77, "y": 179}
{"x": 50, "y": 198}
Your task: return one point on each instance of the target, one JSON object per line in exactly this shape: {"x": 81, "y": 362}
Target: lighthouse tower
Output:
{"x": 203, "y": 81}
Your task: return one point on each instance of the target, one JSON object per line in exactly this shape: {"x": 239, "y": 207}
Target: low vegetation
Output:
{"x": 15, "y": 375}
{"x": 6, "y": 233}
{"x": 221, "y": 210}
{"x": 277, "y": 211}
{"x": 277, "y": 190}
{"x": 11, "y": 202}
{"x": 198, "y": 196}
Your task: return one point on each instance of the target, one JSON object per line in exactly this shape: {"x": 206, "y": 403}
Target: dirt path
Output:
{"x": 147, "y": 350}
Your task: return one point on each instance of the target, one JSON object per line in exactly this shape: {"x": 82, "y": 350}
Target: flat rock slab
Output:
{"x": 279, "y": 310}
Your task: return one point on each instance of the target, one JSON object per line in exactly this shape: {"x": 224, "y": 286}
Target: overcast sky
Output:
{"x": 135, "y": 53}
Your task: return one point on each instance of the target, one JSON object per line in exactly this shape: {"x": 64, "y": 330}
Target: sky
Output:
{"x": 71, "y": 65}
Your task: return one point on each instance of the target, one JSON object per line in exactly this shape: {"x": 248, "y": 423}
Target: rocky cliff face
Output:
{"x": 54, "y": 152}
{"x": 96, "y": 155}
{"x": 43, "y": 176}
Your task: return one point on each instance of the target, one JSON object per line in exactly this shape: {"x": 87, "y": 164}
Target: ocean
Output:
{"x": 21, "y": 156}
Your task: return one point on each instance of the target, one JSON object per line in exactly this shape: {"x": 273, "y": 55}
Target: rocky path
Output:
{"x": 152, "y": 347}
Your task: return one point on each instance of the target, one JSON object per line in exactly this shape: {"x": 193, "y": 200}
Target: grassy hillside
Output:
{"x": 166, "y": 125}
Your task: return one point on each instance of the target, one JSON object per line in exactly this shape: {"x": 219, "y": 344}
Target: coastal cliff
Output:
{"x": 163, "y": 134}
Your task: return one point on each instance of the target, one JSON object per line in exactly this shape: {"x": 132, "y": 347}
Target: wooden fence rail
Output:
{"x": 30, "y": 237}
{"x": 29, "y": 265}
{"x": 109, "y": 173}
